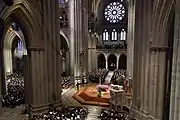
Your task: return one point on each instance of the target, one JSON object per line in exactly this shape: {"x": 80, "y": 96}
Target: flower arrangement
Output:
{"x": 99, "y": 92}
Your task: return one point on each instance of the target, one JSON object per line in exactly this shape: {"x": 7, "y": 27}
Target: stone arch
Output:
{"x": 21, "y": 12}
{"x": 112, "y": 62}
{"x": 97, "y": 4}
{"x": 65, "y": 56}
{"x": 101, "y": 60}
{"x": 66, "y": 38}
{"x": 122, "y": 62}
{"x": 7, "y": 55}
{"x": 160, "y": 19}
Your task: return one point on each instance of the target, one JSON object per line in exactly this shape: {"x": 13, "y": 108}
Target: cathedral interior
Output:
{"x": 89, "y": 59}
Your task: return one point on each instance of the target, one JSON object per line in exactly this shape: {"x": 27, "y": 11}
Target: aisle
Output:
{"x": 108, "y": 77}
{"x": 94, "y": 112}
{"x": 68, "y": 100}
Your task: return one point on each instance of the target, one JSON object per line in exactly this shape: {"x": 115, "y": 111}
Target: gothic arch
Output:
{"x": 65, "y": 56}
{"x": 122, "y": 62}
{"x": 66, "y": 38}
{"x": 8, "y": 40}
{"x": 101, "y": 60}
{"x": 160, "y": 20}
{"x": 97, "y": 4}
{"x": 22, "y": 13}
{"x": 112, "y": 62}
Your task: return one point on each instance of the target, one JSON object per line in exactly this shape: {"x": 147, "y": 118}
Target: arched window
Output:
{"x": 20, "y": 45}
{"x": 62, "y": 1}
{"x": 105, "y": 35}
{"x": 123, "y": 34}
{"x": 114, "y": 35}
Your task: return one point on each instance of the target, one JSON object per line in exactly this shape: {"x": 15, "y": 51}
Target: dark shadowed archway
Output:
{"x": 65, "y": 57}
{"x": 101, "y": 61}
{"x": 112, "y": 60}
{"x": 123, "y": 62}
{"x": 17, "y": 55}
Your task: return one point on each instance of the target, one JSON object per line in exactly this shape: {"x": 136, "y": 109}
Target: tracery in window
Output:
{"x": 114, "y": 12}
{"x": 114, "y": 35}
{"x": 105, "y": 35}
{"x": 123, "y": 34}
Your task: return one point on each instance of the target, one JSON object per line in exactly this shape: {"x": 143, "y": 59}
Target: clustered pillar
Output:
{"x": 43, "y": 70}
{"x": 147, "y": 61}
{"x": 175, "y": 79}
{"x": 78, "y": 38}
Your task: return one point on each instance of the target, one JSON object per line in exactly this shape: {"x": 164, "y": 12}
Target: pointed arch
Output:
{"x": 112, "y": 61}
{"x": 114, "y": 35}
{"x": 7, "y": 46}
{"x": 21, "y": 12}
{"x": 122, "y": 62}
{"x": 123, "y": 34}
{"x": 101, "y": 61}
{"x": 66, "y": 38}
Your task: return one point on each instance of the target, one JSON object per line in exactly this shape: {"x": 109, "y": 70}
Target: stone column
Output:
{"x": 64, "y": 64}
{"x": 117, "y": 63}
{"x": 130, "y": 37}
{"x": 67, "y": 63}
{"x": 26, "y": 78}
{"x": 85, "y": 35}
{"x": 72, "y": 35}
{"x": 79, "y": 37}
{"x": 106, "y": 62}
{"x": 175, "y": 83}
{"x": 44, "y": 62}
{"x": 89, "y": 59}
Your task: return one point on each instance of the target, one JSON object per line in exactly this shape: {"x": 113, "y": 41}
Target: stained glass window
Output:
{"x": 61, "y": 1}
{"x": 123, "y": 34}
{"x": 20, "y": 45}
{"x": 114, "y": 12}
{"x": 105, "y": 35}
{"x": 114, "y": 35}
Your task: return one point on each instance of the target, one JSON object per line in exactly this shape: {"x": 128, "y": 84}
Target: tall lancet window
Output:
{"x": 123, "y": 34}
{"x": 19, "y": 51}
{"x": 62, "y": 1}
{"x": 20, "y": 45}
{"x": 114, "y": 35}
{"x": 105, "y": 35}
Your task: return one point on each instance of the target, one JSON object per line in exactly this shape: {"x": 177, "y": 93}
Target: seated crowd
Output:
{"x": 66, "y": 113}
{"x": 66, "y": 82}
{"x": 15, "y": 91}
{"x": 97, "y": 74}
{"x": 111, "y": 114}
{"x": 118, "y": 77}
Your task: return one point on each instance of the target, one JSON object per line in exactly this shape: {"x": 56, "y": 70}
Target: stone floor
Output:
{"x": 15, "y": 113}
{"x": 94, "y": 111}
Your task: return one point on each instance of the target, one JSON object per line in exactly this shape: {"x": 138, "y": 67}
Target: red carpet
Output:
{"x": 89, "y": 96}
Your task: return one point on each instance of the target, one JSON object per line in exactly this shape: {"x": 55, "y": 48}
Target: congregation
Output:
{"x": 111, "y": 114}
{"x": 118, "y": 77}
{"x": 66, "y": 113}
{"x": 15, "y": 91}
{"x": 97, "y": 74}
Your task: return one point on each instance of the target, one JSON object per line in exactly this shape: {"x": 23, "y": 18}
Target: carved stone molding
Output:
{"x": 35, "y": 49}
{"x": 163, "y": 48}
